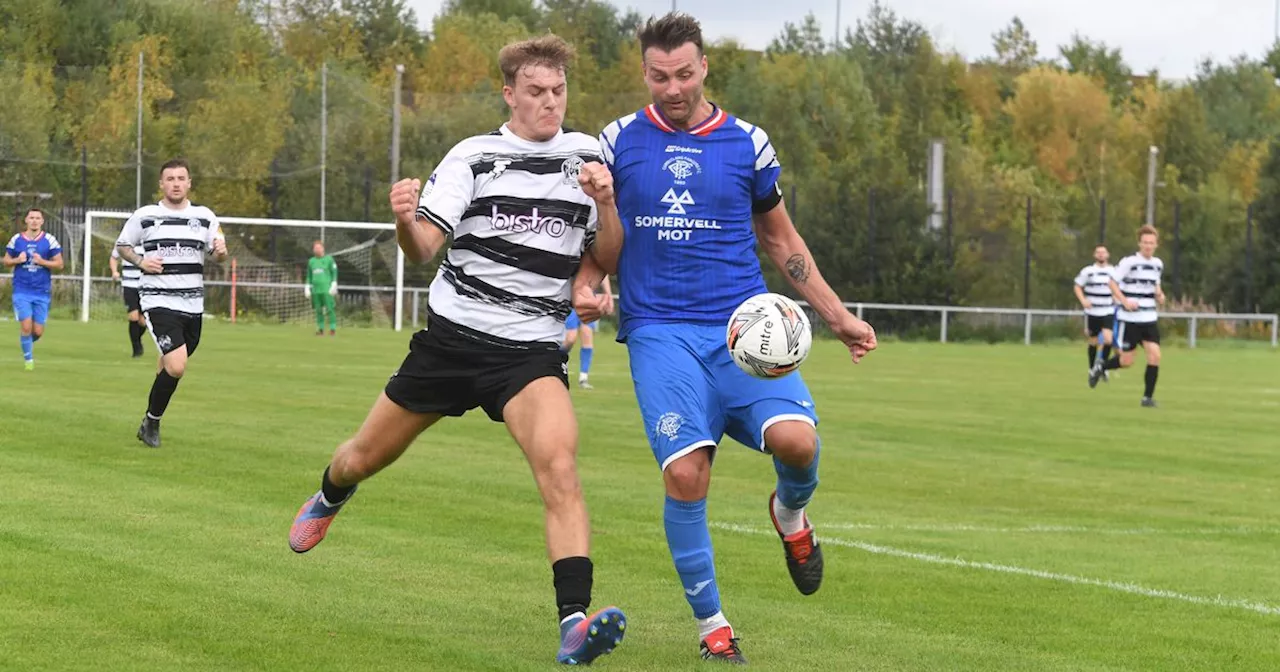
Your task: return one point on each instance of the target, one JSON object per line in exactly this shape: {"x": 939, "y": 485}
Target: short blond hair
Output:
{"x": 1148, "y": 230}
{"x": 549, "y": 50}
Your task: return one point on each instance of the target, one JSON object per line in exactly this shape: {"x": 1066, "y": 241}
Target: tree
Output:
{"x": 388, "y": 29}
{"x": 1014, "y": 47}
{"x": 1095, "y": 60}
{"x": 1240, "y": 99}
{"x": 1266, "y": 252}
{"x": 805, "y": 39}
{"x": 522, "y": 11}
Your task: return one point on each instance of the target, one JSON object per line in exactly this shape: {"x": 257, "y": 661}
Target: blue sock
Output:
{"x": 585, "y": 354}
{"x": 796, "y": 484}
{"x": 690, "y": 544}
{"x": 27, "y": 342}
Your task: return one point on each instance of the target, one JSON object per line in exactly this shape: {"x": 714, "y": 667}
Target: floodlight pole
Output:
{"x": 395, "y": 177}
{"x": 137, "y": 179}
{"x": 324, "y": 139}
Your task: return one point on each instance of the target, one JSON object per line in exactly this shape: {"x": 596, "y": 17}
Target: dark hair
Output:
{"x": 671, "y": 32}
{"x": 176, "y": 163}
{"x": 1148, "y": 230}
{"x": 549, "y": 50}
{"x": 31, "y": 210}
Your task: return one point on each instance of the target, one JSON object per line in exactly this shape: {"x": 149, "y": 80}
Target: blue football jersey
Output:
{"x": 31, "y": 278}
{"x": 686, "y": 200}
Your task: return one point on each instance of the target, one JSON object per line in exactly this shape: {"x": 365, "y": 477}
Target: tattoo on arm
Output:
{"x": 129, "y": 255}
{"x": 798, "y": 268}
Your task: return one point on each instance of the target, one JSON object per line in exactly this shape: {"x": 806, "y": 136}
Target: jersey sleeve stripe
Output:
{"x": 437, "y": 220}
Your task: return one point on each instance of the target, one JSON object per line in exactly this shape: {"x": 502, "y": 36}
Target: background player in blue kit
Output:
{"x": 695, "y": 189}
{"x": 576, "y": 329}
{"x": 33, "y": 255}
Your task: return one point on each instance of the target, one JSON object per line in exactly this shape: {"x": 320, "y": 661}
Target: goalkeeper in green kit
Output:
{"x": 322, "y": 287}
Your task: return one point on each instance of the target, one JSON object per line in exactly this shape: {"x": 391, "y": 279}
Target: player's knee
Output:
{"x": 26, "y": 328}
{"x": 793, "y": 443}
{"x": 688, "y": 477}
{"x": 175, "y": 369}
{"x": 558, "y": 481}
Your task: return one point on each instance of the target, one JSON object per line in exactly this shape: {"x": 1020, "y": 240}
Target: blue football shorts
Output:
{"x": 32, "y": 307}
{"x": 573, "y": 322}
{"x": 691, "y": 393}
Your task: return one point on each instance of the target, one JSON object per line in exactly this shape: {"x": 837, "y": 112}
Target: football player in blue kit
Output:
{"x": 696, "y": 189}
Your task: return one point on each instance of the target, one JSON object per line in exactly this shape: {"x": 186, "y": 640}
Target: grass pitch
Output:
{"x": 980, "y": 507}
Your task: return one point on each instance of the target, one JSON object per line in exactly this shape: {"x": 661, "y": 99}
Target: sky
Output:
{"x": 1169, "y": 35}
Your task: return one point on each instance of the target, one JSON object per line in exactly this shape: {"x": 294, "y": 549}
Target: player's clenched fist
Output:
{"x": 596, "y": 181}
{"x": 152, "y": 265}
{"x": 404, "y": 199}
{"x": 219, "y": 245}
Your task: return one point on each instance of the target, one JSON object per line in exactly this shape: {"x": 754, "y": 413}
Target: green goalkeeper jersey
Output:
{"x": 323, "y": 272}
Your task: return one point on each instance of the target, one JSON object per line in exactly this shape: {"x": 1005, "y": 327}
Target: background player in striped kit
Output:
{"x": 1093, "y": 290}
{"x": 129, "y": 276}
{"x": 521, "y": 204}
{"x": 33, "y": 255}
{"x": 175, "y": 236}
{"x": 1136, "y": 286}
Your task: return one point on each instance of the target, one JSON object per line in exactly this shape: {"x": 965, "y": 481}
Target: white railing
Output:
{"x": 945, "y": 313}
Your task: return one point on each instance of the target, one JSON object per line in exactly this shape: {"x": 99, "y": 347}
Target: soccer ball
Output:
{"x": 768, "y": 336}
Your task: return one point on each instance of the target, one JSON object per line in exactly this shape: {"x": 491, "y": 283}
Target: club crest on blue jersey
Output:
{"x": 681, "y": 168}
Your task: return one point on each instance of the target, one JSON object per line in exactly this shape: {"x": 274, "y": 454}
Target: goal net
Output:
{"x": 265, "y": 275}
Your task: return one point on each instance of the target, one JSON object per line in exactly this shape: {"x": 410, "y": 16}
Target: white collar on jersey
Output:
{"x": 510, "y": 134}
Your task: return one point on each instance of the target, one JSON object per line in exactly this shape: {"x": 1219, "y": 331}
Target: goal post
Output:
{"x": 270, "y": 257}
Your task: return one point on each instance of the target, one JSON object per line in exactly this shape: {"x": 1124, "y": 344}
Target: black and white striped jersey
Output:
{"x": 1095, "y": 280}
{"x": 182, "y": 238}
{"x": 129, "y": 274}
{"x": 1138, "y": 277}
{"x": 519, "y": 223}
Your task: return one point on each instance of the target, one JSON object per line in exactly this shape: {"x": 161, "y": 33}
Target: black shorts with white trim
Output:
{"x": 1094, "y": 324}
{"x": 171, "y": 329}
{"x": 1132, "y": 334}
{"x": 449, "y": 373}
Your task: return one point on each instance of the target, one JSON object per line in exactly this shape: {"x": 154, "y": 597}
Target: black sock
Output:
{"x": 572, "y": 578}
{"x": 334, "y": 494}
{"x": 1113, "y": 363}
{"x": 1153, "y": 372}
{"x": 135, "y": 335}
{"x": 1093, "y": 354}
{"x": 161, "y": 392}
{"x": 1106, "y": 352}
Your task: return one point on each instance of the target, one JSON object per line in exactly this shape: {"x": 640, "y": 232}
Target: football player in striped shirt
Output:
{"x": 697, "y": 191}
{"x": 1135, "y": 285}
{"x": 522, "y": 204}
{"x": 175, "y": 236}
{"x": 129, "y": 276}
{"x": 1093, "y": 291}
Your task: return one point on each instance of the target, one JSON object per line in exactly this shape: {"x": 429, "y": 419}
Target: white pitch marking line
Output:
{"x": 1122, "y": 587}
{"x": 1059, "y": 529}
